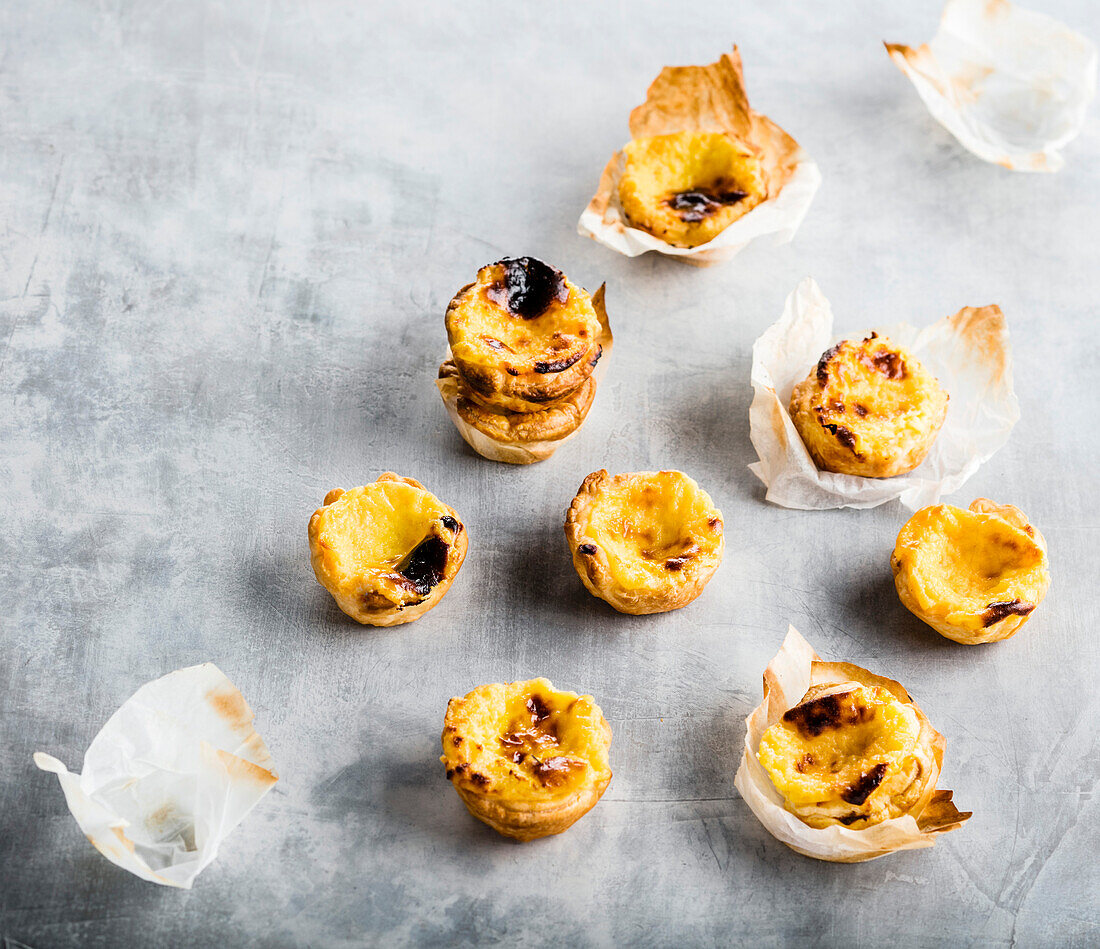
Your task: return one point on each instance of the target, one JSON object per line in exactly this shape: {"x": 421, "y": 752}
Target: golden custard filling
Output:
{"x": 687, "y": 187}
{"x": 525, "y": 740}
{"x": 521, "y": 316}
{"x": 846, "y": 756}
{"x": 652, "y": 525}
{"x": 385, "y": 544}
{"x": 868, "y": 408}
{"x": 969, "y": 569}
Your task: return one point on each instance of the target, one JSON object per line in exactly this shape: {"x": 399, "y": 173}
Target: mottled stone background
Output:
{"x": 228, "y": 231}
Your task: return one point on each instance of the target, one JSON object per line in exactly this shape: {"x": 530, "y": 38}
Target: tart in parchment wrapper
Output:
{"x": 967, "y": 355}
{"x": 819, "y": 716}
{"x": 703, "y": 174}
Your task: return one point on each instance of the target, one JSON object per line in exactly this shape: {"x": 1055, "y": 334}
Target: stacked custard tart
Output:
{"x": 524, "y": 343}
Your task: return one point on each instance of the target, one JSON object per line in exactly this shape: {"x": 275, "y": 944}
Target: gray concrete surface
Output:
{"x": 228, "y": 232}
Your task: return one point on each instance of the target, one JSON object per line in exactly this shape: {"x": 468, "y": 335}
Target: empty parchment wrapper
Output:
{"x": 520, "y": 452}
{"x": 968, "y": 353}
{"x": 789, "y": 676}
{"x": 1011, "y": 85}
{"x": 708, "y": 99}
{"x": 173, "y": 771}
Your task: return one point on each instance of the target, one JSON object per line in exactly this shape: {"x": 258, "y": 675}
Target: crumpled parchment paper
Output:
{"x": 789, "y": 676}
{"x": 708, "y": 99}
{"x": 968, "y": 353}
{"x": 173, "y": 771}
{"x": 1013, "y": 86}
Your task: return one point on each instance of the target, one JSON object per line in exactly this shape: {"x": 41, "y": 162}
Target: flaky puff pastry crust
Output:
{"x": 868, "y": 408}
{"x": 522, "y": 331}
{"x": 526, "y": 759}
{"x": 646, "y": 542}
{"x": 387, "y": 551}
{"x": 797, "y": 675}
{"x": 534, "y": 432}
{"x": 974, "y": 576}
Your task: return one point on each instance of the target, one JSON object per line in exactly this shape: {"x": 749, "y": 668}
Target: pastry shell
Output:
{"x": 494, "y": 777}
{"x": 524, "y": 437}
{"x": 932, "y": 573}
{"x": 868, "y": 409}
{"x": 794, "y": 670}
{"x": 612, "y": 517}
{"x": 544, "y": 365}
{"x": 708, "y": 98}
{"x": 384, "y": 596}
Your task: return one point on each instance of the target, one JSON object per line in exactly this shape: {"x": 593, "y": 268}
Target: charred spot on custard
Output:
{"x": 806, "y": 761}
{"x": 451, "y": 524}
{"x": 557, "y": 365}
{"x": 527, "y": 286}
{"x": 699, "y": 203}
{"x": 843, "y": 435}
{"x": 889, "y": 363}
{"x": 996, "y": 612}
{"x": 828, "y": 712}
{"x": 823, "y": 363}
{"x": 587, "y": 549}
{"x": 861, "y": 790}
{"x": 552, "y": 771}
{"x": 424, "y": 566}
{"x": 539, "y": 710}
{"x": 848, "y": 819}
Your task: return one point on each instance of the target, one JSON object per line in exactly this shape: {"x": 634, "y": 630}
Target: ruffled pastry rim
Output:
{"x": 594, "y": 569}
{"x": 709, "y": 98}
{"x": 787, "y": 678}
{"x": 517, "y": 451}
{"x": 996, "y": 632}
{"x": 352, "y": 605}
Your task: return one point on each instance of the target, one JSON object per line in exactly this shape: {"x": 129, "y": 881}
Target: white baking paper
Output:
{"x": 173, "y": 771}
{"x": 1011, "y": 85}
{"x": 968, "y": 353}
{"x": 776, "y": 219}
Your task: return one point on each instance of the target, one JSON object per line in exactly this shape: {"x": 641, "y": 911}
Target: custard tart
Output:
{"x": 526, "y": 759}
{"x": 868, "y": 408}
{"x": 974, "y": 576}
{"x": 514, "y": 430}
{"x": 518, "y": 438}
{"x": 841, "y": 764}
{"x": 523, "y": 331}
{"x": 647, "y": 542}
{"x": 688, "y": 187}
{"x": 388, "y": 551}
{"x": 703, "y": 174}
